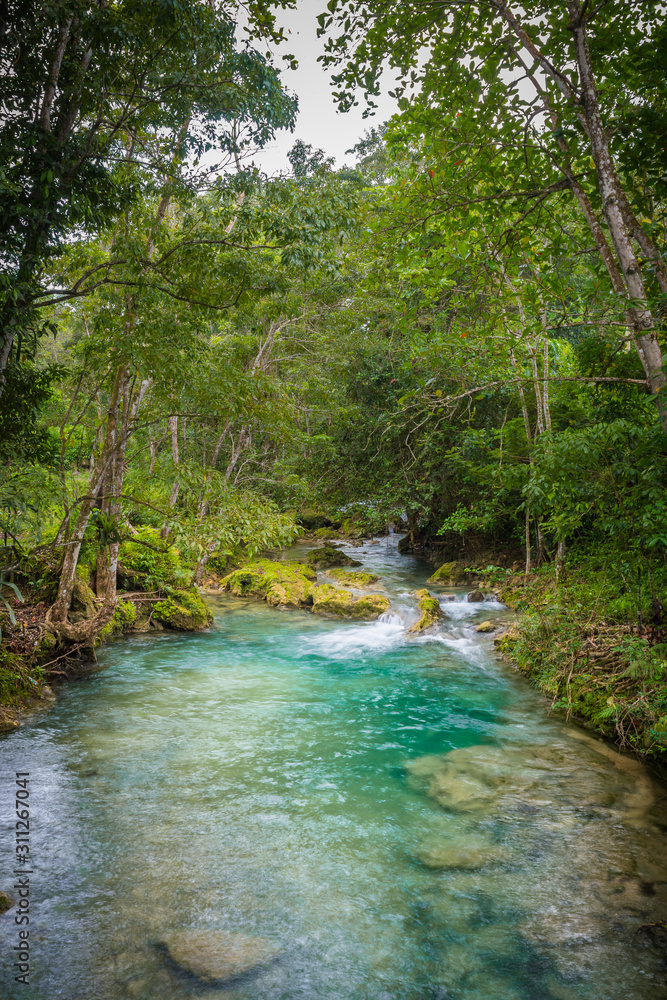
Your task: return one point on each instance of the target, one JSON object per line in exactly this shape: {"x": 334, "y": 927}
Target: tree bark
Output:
{"x": 609, "y": 184}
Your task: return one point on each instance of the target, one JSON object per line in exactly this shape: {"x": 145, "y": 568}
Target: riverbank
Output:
{"x": 581, "y": 650}
{"x": 33, "y": 655}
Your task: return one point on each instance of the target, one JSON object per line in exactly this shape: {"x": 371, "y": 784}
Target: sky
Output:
{"x": 318, "y": 122}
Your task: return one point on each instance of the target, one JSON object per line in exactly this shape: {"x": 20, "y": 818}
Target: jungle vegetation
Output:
{"x": 460, "y": 333}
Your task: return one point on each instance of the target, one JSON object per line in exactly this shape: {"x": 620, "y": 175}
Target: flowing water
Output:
{"x": 399, "y": 815}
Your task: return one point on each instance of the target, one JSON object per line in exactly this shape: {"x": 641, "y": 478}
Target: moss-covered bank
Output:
{"x": 594, "y": 646}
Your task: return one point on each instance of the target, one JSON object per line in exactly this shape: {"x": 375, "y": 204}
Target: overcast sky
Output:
{"x": 318, "y": 122}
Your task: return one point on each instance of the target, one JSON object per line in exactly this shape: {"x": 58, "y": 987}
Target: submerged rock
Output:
{"x": 328, "y": 600}
{"x": 430, "y": 612}
{"x": 453, "y": 574}
{"x": 215, "y": 956}
{"x": 467, "y": 853}
{"x": 281, "y": 584}
{"x": 328, "y": 556}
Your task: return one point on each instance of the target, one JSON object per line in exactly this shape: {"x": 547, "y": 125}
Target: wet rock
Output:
{"x": 486, "y": 627}
{"x": 353, "y": 578}
{"x": 467, "y": 853}
{"x": 447, "y": 597}
{"x": 281, "y": 584}
{"x": 475, "y": 597}
{"x": 430, "y": 612}
{"x": 328, "y": 556}
{"x": 216, "y": 956}
{"x": 454, "y": 574}
{"x": 328, "y": 600}
{"x": 6, "y": 902}
{"x": 184, "y": 611}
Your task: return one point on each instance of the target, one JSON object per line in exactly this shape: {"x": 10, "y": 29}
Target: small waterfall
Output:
{"x": 391, "y": 618}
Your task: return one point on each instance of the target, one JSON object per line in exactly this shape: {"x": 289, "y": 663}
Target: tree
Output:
{"x": 542, "y": 80}
{"x": 90, "y": 89}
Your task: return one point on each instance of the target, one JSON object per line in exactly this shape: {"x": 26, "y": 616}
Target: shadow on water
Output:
{"x": 397, "y": 816}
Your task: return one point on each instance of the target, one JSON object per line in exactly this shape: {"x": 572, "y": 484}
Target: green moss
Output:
{"x": 328, "y": 556}
{"x": 453, "y": 574}
{"x": 359, "y": 578}
{"x": 578, "y": 644}
{"x": 17, "y": 682}
{"x": 328, "y": 600}
{"x": 430, "y": 612}
{"x": 183, "y": 611}
{"x": 279, "y": 583}
{"x": 122, "y": 620}
{"x": 327, "y": 533}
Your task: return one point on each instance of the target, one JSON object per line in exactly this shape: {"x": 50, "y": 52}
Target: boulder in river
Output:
{"x": 486, "y": 627}
{"x": 430, "y": 612}
{"x": 475, "y": 597}
{"x": 354, "y": 578}
{"x": 281, "y": 584}
{"x": 466, "y": 853}
{"x": 328, "y": 556}
{"x": 216, "y": 956}
{"x": 328, "y": 600}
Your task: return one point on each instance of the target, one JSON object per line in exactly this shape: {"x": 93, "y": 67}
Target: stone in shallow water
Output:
{"x": 469, "y": 853}
{"x": 218, "y": 955}
{"x": 486, "y": 627}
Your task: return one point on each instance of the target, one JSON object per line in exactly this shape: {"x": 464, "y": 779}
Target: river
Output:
{"x": 400, "y": 816}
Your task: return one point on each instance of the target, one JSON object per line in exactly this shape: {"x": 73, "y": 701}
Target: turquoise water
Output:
{"x": 401, "y": 816}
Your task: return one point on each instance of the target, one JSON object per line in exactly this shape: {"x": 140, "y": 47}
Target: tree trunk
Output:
{"x": 643, "y": 324}
{"x": 560, "y": 561}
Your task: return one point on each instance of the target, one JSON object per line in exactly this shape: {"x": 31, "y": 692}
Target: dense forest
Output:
{"x": 457, "y": 336}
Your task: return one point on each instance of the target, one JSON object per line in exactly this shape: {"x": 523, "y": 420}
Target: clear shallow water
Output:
{"x": 399, "y": 814}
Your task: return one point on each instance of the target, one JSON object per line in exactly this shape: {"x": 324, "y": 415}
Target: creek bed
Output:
{"x": 390, "y": 817}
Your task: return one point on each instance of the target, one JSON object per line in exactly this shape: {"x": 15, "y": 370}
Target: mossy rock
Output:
{"x": 452, "y": 574}
{"x": 281, "y": 584}
{"x": 325, "y": 533}
{"x": 82, "y": 606}
{"x": 122, "y": 620}
{"x": 328, "y": 600}
{"x": 328, "y": 556}
{"x": 183, "y": 611}
{"x": 314, "y": 519}
{"x": 46, "y": 644}
{"x": 360, "y": 578}
{"x": 430, "y": 612}
{"x": 486, "y": 627}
